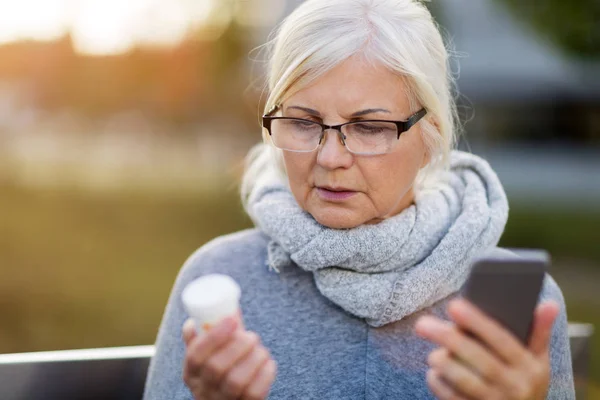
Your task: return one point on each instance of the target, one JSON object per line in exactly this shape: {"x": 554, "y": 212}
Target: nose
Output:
{"x": 332, "y": 153}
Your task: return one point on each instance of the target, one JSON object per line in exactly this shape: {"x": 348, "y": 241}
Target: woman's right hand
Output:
{"x": 226, "y": 363}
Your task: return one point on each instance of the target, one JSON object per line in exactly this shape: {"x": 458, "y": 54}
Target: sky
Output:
{"x": 114, "y": 26}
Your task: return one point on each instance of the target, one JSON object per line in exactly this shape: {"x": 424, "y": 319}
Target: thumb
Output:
{"x": 189, "y": 331}
{"x": 541, "y": 331}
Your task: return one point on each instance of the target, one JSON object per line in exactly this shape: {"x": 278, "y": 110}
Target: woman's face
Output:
{"x": 340, "y": 189}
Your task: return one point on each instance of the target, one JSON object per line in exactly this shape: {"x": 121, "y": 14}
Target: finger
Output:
{"x": 219, "y": 364}
{"x": 240, "y": 319}
{"x": 261, "y": 384}
{"x": 242, "y": 374}
{"x": 188, "y": 331}
{"x": 541, "y": 330}
{"x": 439, "y": 388}
{"x": 466, "y": 349}
{"x": 202, "y": 347}
{"x": 487, "y": 330}
{"x": 457, "y": 374}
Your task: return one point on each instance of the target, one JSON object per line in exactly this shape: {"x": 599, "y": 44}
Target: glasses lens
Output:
{"x": 295, "y": 134}
{"x": 370, "y": 137}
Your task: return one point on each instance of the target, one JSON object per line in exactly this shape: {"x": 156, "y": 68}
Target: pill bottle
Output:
{"x": 211, "y": 298}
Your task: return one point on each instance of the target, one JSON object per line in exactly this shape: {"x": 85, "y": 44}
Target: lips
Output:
{"x": 334, "y": 194}
{"x": 335, "y": 189}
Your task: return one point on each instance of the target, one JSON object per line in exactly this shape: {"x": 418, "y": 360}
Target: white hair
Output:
{"x": 399, "y": 34}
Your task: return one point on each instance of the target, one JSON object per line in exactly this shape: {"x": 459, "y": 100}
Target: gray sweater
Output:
{"x": 322, "y": 352}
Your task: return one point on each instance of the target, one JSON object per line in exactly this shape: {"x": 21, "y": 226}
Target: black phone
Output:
{"x": 508, "y": 289}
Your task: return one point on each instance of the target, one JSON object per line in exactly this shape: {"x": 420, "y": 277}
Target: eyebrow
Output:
{"x": 355, "y": 115}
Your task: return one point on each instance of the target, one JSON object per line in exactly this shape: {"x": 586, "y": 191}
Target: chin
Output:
{"x": 337, "y": 220}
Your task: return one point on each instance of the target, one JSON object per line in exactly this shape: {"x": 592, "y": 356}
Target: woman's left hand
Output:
{"x": 493, "y": 364}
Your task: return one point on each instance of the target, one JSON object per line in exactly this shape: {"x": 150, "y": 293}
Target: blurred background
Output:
{"x": 123, "y": 126}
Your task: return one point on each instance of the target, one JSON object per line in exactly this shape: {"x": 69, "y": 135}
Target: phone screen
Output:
{"x": 508, "y": 291}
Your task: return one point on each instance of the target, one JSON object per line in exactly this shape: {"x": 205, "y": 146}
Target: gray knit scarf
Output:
{"x": 386, "y": 271}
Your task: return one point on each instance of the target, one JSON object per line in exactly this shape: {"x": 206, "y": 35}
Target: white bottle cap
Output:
{"x": 211, "y": 298}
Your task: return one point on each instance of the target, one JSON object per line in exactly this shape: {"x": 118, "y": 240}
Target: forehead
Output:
{"x": 352, "y": 85}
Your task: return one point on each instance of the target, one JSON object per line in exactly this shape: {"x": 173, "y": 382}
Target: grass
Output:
{"x": 571, "y": 233}
{"x": 93, "y": 270}
{"x": 81, "y": 270}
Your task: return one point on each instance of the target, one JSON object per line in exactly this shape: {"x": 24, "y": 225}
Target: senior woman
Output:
{"x": 367, "y": 222}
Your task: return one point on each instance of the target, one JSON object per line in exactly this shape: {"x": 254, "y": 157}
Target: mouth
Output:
{"x": 335, "y": 189}
{"x": 335, "y": 194}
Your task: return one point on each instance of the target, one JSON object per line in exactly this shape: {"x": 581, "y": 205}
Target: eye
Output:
{"x": 369, "y": 127}
{"x": 372, "y": 128}
{"x": 302, "y": 124}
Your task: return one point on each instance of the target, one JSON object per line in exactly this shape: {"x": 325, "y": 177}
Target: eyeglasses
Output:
{"x": 366, "y": 137}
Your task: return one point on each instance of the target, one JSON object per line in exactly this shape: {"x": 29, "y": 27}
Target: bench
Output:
{"x": 120, "y": 372}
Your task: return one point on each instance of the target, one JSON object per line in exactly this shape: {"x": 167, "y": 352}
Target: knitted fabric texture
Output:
{"x": 389, "y": 270}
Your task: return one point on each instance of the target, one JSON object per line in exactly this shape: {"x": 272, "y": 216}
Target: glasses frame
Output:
{"x": 402, "y": 126}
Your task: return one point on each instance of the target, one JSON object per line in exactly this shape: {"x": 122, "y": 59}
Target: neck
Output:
{"x": 405, "y": 201}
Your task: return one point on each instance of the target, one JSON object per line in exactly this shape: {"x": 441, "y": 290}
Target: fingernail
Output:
{"x": 469, "y": 308}
{"x": 188, "y": 324}
{"x": 458, "y": 306}
{"x": 425, "y": 325}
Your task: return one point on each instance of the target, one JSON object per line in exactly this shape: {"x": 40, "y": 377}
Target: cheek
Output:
{"x": 298, "y": 168}
{"x": 393, "y": 176}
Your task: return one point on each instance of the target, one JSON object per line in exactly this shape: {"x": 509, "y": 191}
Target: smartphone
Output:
{"x": 508, "y": 289}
